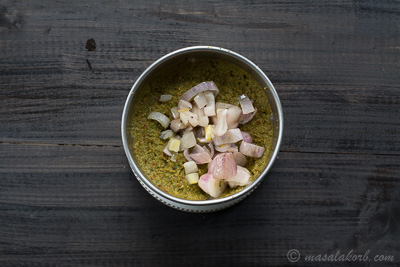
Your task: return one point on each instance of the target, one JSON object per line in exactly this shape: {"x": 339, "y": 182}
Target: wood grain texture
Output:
{"x": 69, "y": 198}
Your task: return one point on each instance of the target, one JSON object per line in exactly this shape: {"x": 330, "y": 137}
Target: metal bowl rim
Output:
{"x": 147, "y": 72}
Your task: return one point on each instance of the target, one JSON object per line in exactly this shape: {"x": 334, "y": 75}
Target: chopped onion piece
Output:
{"x": 223, "y": 166}
{"x": 251, "y": 150}
{"x": 167, "y": 151}
{"x": 222, "y": 148}
{"x": 203, "y": 140}
{"x": 184, "y": 119}
{"x": 201, "y": 112}
{"x": 248, "y": 117}
{"x": 201, "y": 158}
{"x": 197, "y": 149}
{"x": 245, "y": 103}
{"x": 221, "y": 105}
{"x": 174, "y": 144}
{"x": 166, "y": 134}
{"x": 161, "y": 118}
{"x": 233, "y": 148}
{"x": 233, "y": 126}
{"x": 184, "y": 105}
{"x": 200, "y": 100}
{"x": 174, "y": 112}
{"x": 200, "y": 155}
{"x": 193, "y": 119}
{"x": 209, "y": 109}
{"x": 188, "y": 129}
{"x": 203, "y": 121}
{"x": 165, "y": 98}
{"x": 240, "y": 158}
{"x": 210, "y": 185}
{"x": 209, "y": 132}
{"x": 195, "y": 109}
{"x": 247, "y": 137}
{"x": 177, "y": 125}
{"x": 190, "y": 167}
{"x": 188, "y": 140}
{"x": 186, "y": 155}
{"x": 174, "y": 156}
{"x": 204, "y": 86}
{"x": 233, "y": 115}
{"x": 212, "y": 151}
{"x": 231, "y": 136}
{"x": 192, "y": 178}
{"x": 240, "y": 179}
{"x": 221, "y": 127}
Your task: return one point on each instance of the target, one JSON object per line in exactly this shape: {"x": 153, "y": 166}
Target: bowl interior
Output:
{"x": 187, "y": 58}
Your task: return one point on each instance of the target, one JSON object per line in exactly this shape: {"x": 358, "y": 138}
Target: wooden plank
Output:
{"x": 313, "y": 202}
{"x": 50, "y": 95}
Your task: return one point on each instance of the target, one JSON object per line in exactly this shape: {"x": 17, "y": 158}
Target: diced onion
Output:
{"x": 174, "y": 144}
{"x": 200, "y": 100}
{"x": 190, "y": 167}
{"x": 247, "y": 137}
{"x": 188, "y": 140}
{"x": 161, "y": 118}
{"x": 188, "y": 129}
{"x": 222, "y": 148}
{"x": 210, "y": 185}
{"x": 240, "y": 158}
{"x": 174, "y": 156}
{"x": 204, "y": 86}
{"x": 246, "y": 105}
{"x": 212, "y": 151}
{"x": 177, "y": 125}
{"x": 209, "y": 132}
{"x": 193, "y": 119}
{"x": 165, "y": 98}
{"x": 192, "y": 178}
{"x": 248, "y": 117}
{"x": 166, "y": 134}
{"x": 251, "y": 150}
{"x": 174, "y": 112}
{"x": 233, "y": 148}
{"x": 209, "y": 109}
{"x": 221, "y": 127}
{"x": 167, "y": 151}
{"x": 200, "y": 155}
{"x": 231, "y": 136}
{"x": 240, "y": 179}
{"x": 186, "y": 155}
{"x": 233, "y": 116}
{"x": 223, "y": 166}
{"x": 201, "y": 158}
{"x": 184, "y": 119}
{"x": 183, "y": 104}
{"x": 203, "y": 121}
{"x": 203, "y": 140}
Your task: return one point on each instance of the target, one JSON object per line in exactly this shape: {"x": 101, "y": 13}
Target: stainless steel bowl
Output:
{"x": 201, "y": 52}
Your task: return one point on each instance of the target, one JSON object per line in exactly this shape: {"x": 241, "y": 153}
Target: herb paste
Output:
{"x": 232, "y": 81}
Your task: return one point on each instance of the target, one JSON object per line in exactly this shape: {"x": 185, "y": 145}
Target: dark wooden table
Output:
{"x": 69, "y": 198}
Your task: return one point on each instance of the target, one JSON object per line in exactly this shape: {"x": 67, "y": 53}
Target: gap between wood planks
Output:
{"x": 50, "y": 144}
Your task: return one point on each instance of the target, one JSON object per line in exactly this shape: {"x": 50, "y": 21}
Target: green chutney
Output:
{"x": 232, "y": 81}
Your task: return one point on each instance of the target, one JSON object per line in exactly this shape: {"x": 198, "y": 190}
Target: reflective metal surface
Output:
{"x": 201, "y": 52}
